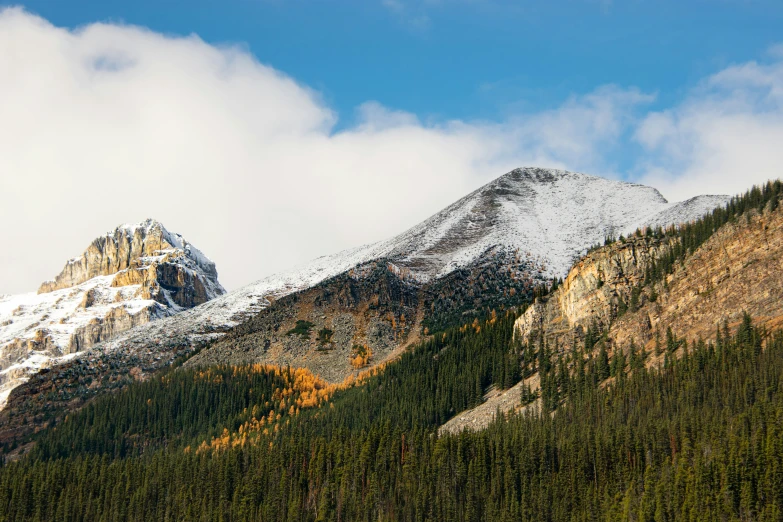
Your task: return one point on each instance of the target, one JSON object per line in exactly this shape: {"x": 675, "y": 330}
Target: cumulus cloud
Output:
{"x": 109, "y": 124}
{"x": 725, "y": 136}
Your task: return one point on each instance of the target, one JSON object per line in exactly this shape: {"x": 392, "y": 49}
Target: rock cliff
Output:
{"x": 738, "y": 269}
{"x": 125, "y": 278}
{"x": 130, "y": 249}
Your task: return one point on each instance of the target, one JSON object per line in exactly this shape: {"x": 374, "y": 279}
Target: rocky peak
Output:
{"x": 553, "y": 215}
{"x": 127, "y": 277}
{"x": 131, "y": 246}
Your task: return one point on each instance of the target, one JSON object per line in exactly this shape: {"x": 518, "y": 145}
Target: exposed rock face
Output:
{"x": 371, "y": 306}
{"x": 128, "y": 247}
{"x": 125, "y": 278}
{"x": 593, "y": 290}
{"x": 502, "y": 401}
{"x": 99, "y": 329}
{"x": 740, "y": 268}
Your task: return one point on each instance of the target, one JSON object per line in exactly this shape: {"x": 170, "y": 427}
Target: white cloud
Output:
{"x": 724, "y": 137}
{"x": 110, "y": 124}
{"x": 776, "y": 51}
{"x": 580, "y": 131}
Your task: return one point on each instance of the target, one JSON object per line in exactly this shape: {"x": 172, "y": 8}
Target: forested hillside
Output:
{"x": 684, "y": 429}
{"x": 700, "y": 439}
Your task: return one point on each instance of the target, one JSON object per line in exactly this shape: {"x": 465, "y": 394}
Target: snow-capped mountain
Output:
{"x": 549, "y": 216}
{"x": 125, "y": 278}
{"x": 553, "y": 216}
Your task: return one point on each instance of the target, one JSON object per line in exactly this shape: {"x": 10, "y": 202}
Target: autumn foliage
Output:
{"x": 360, "y": 356}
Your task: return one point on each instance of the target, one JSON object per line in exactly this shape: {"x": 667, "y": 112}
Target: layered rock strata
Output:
{"x": 739, "y": 269}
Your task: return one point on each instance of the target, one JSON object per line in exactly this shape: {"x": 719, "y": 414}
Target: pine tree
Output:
{"x": 602, "y": 363}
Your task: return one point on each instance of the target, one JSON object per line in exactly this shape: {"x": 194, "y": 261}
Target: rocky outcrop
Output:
{"x": 184, "y": 287}
{"x": 128, "y": 247}
{"x": 124, "y": 279}
{"x": 739, "y": 269}
{"x": 594, "y": 292}
{"x": 16, "y": 353}
{"x": 504, "y": 402}
{"x": 101, "y": 329}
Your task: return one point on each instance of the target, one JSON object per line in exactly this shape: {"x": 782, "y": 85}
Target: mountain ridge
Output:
{"x": 416, "y": 248}
{"x": 539, "y": 219}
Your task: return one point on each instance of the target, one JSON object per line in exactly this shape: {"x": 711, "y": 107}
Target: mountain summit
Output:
{"x": 553, "y": 215}
{"x": 125, "y": 278}
{"x": 131, "y": 249}
{"x": 549, "y": 216}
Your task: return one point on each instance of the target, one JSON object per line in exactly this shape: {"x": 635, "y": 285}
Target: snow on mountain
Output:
{"x": 681, "y": 212}
{"x": 553, "y": 215}
{"x": 125, "y": 278}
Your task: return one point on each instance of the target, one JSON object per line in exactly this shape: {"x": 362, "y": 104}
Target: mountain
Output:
{"x": 548, "y": 217}
{"x": 647, "y": 387}
{"x": 656, "y": 291}
{"x": 489, "y": 250}
{"x": 514, "y": 233}
{"x": 640, "y": 288}
{"x": 125, "y": 278}
{"x": 552, "y": 215}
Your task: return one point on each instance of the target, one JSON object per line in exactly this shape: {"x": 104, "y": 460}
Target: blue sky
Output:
{"x": 464, "y": 59}
{"x": 284, "y": 130}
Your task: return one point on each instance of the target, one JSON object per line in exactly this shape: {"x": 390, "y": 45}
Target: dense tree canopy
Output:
{"x": 700, "y": 438}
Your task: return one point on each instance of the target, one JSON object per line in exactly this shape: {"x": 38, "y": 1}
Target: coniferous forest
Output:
{"x": 700, "y": 439}
{"x": 607, "y": 437}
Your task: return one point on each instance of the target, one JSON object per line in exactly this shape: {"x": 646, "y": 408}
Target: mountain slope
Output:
{"x": 549, "y": 217}
{"x": 510, "y": 235}
{"x": 699, "y": 439}
{"x": 642, "y": 298}
{"x": 737, "y": 270}
{"x": 125, "y": 278}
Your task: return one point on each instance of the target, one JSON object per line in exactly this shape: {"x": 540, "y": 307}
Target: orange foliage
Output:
{"x": 302, "y": 390}
{"x": 361, "y": 356}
